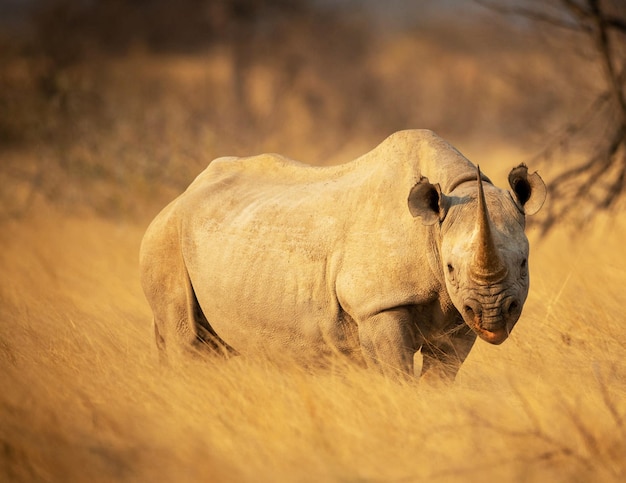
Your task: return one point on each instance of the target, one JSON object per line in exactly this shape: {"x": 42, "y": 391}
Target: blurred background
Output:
{"x": 110, "y": 108}
{"x": 115, "y": 106}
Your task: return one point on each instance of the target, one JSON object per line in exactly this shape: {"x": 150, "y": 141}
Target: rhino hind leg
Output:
{"x": 206, "y": 339}
{"x": 160, "y": 343}
{"x": 180, "y": 326}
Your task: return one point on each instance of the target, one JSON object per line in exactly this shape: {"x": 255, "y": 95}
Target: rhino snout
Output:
{"x": 492, "y": 323}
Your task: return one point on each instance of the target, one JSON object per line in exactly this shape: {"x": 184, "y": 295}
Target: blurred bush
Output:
{"x": 114, "y": 106}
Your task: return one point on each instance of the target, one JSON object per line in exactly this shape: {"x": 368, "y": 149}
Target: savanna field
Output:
{"x": 82, "y": 395}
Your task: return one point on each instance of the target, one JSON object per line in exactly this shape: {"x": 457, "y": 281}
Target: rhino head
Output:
{"x": 483, "y": 250}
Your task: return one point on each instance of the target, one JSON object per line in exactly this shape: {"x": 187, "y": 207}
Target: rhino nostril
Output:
{"x": 469, "y": 311}
{"x": 512, "y": 307}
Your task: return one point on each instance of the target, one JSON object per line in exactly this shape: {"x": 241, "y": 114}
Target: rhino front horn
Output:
{"x": 487, "y": 265}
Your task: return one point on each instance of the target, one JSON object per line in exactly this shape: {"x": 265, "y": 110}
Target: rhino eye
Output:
{"x": 451, "y": 273}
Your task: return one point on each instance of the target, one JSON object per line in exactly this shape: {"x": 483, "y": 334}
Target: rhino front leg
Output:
{"x": 442, "y": 357}
{"x": 388, "y": 341}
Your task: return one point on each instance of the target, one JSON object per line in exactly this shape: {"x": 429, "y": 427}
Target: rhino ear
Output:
{"x": 529, "y": 189}
{"x": 428, "y": 202}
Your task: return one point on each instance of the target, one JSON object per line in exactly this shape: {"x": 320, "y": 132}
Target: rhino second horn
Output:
{"x": 487, "y": 264}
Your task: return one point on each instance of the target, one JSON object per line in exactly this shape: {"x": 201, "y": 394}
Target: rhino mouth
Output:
{"x": 495, "y": 330}
{"x": 495, "y": 337}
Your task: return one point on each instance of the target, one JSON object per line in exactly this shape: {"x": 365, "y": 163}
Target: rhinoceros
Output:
{"x": 408, "y": 248}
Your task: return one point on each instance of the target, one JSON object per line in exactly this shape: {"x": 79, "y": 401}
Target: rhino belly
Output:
{"x": 264, "y": 296}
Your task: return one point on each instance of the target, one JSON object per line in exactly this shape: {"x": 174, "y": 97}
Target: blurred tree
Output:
{"x": 111, "y": 94}
{"x": 68, "y": 32}
{"x": 599, "y": 182}
{"x": 245, "y": 26}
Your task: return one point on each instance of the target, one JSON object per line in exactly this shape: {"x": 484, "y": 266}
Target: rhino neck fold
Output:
{"x": 487, "y": 265}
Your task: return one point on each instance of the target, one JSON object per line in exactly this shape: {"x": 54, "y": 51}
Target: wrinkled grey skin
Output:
{"x": 373, "y": 260}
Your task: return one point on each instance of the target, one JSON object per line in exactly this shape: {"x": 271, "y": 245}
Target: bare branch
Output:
{"x": 604, "y": 48}
{"x": 573, "y": 187}
{"x": 576, "y": 9}
{"x": 573, "y": 128}
{"x": 615, "y": 188}
{"x": 615, "y": 23}
{"x": 600, "y": 181}
{"x": 595, "y": 12}
{"x": 584, "y": 16}
{"x": 534, "y": 15}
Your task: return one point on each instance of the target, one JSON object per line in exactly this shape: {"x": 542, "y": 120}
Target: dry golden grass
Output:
{"x": 83, "y": 398}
